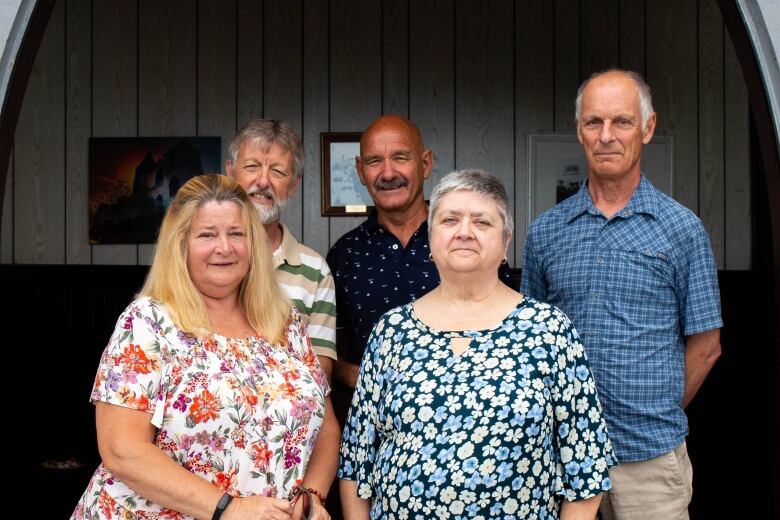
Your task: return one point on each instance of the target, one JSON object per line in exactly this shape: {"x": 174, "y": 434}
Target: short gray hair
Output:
{"x": 645, "y": 97}
{"x": 476, "y": 181}
{"x": 266, "y": 132}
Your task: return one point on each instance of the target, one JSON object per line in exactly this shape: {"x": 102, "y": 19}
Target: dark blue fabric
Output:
{"x": 375, "y": 273}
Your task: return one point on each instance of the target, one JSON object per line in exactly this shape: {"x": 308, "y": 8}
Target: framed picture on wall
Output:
{"x": 132, "y": 180}
{"x": 557, "y": 167}
{"x": 342, "y": 192}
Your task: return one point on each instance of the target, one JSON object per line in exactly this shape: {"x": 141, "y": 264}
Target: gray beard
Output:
{"x": 270, "y": 214}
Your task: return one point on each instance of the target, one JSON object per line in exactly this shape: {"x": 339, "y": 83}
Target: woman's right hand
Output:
{"x": 257, "y": 508}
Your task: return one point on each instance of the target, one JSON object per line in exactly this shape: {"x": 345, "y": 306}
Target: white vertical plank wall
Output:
{"x": 477, "y": 76}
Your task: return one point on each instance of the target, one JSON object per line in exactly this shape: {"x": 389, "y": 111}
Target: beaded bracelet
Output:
{"x": 317, "y": 494}
{"x": 306, "y": 494}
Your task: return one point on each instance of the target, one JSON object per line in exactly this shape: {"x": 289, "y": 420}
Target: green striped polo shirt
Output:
{"x": 306, "y": 280}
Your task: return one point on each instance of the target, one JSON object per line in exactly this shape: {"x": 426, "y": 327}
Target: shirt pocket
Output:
{"x": 643, "y": 276}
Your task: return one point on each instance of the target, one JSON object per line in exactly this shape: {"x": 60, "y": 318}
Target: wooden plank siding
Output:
{"x": 484, "y": 90}
{"x": 283, "y": 81}
{"x": 711, "y": 107}
{"x": 78, "y": 128}
{"x": 115, "y": 92}
{"x": 316, "y": 119}
{"x": 168, "y": 79}
{"x": 477, "y": 76}
{"x": 7, "y": 223}
{"x": 39, "y": 154}
{"x": 432, "y": 81}
{"x": 355, "y": 76}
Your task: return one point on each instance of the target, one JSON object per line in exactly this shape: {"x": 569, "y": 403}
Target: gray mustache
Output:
{"x": 392, "y": 184}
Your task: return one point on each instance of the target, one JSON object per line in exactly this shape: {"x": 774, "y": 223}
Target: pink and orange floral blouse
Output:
{"x": 241, "y": 413}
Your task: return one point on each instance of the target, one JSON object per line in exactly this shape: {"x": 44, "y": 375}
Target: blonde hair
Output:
{"x": 261, "y": 300}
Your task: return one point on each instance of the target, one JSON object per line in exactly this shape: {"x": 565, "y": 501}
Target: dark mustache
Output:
{"x": 392, "y": 184}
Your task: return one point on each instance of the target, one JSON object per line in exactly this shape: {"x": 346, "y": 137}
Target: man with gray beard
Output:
{"x": 266, "y": 158}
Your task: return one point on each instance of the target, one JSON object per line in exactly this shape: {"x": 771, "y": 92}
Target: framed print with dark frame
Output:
{"x": 342, "y": 192}
{"x": 557, "y": 167}
{"x": 132, "y": 180}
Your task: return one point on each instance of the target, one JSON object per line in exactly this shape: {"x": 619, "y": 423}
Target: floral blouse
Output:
{"x": 241, "y": 413}
{"x": 507, "y": 429}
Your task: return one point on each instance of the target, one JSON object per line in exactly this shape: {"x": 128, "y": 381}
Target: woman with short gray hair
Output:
{"x": 474, "y": 400}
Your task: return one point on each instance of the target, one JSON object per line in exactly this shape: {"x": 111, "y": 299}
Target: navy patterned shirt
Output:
{"x": 504, "y": 430}
{"x": 374, "y": 273}
{"x": 634, "y": 285}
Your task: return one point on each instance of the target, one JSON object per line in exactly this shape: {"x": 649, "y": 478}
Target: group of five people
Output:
{"x": 471, "y": 399}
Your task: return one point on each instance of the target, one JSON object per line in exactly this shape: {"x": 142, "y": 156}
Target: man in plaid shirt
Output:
{"x": 634, "y": 270}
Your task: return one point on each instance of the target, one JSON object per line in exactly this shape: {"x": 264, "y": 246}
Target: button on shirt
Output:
{"x": 634, "y": 285}
{"x": 375, "y": 273}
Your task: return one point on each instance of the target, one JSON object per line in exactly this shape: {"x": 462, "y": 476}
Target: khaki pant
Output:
{"x": 655, "y": 489}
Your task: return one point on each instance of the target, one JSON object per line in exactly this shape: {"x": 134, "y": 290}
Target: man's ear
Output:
{"x": 229, "y": 171}
{"x": 649, "y": 129}
{"x": 359, "y": 169}
{"x": 296, "y": 182}
{"x": 427, "y": 160}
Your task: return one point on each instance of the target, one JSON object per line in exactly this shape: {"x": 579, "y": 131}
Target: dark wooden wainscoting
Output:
{"x": 60, "y": 318}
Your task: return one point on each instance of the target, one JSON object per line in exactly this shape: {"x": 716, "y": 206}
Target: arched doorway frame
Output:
{"x": 744, "y": 21}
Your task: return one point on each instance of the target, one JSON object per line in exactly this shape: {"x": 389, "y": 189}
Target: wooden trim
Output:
{"x": 17, "y": 85}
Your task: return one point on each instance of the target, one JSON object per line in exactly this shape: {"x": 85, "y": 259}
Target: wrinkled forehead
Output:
{"x": 613, "y": 93}
{"x": 261, "y": 146}
{"x": 467, "y": 201}
{"x": 392, "y": 136}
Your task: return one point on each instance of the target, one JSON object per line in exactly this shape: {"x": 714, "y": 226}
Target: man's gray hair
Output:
{"x": 265, "y": 132}
{"x": 476, "y": 181}
{"x": 645, "y": 98}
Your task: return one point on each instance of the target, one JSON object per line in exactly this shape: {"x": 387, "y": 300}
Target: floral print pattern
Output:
{"x": 241, "y": 413}
{"x": 507, "y": 429}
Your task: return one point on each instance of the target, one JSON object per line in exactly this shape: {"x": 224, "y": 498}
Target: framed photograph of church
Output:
{"x": 342, "y": 192}
{"x": 132, "y": 180}
{"x": 557, "y": 168}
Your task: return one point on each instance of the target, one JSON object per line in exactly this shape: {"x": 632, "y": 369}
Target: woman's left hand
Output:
{"x": 318, "y": 511}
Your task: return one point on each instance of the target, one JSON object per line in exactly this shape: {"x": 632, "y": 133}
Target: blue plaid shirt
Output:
{"x": 634, "y": 286}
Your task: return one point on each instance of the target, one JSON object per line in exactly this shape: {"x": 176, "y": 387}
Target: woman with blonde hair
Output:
{"x": 210, "y": 402}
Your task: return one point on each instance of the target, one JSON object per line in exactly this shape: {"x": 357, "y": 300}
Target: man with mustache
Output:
{"x": 266, "y": 158}
{"x": 634, "y": 270}
{"x": 384, "y": 262}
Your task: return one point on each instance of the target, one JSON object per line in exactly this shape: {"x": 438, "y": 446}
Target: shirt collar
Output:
{"x": 643, "y": 200}
{"x": 288, "y": 251}
{"x": 372, "y": 222}
{"x": 373, "y": 226}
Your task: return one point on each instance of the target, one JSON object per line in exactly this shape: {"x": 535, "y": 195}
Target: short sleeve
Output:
{"x": 697, "y": 284}
{"x": 322, "y": 318}
{"x": 130, "y": 371}
{"x": 583, "y": 450}
{"x": 360, "y": 439}
{"x": 531, "y": 282}
{"x": 300, "y": 343}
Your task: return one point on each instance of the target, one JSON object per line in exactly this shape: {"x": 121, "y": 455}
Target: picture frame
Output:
{"x": 557, "y": 167}
{"x": 342, "y": 192}
{"x": 132, "y": 180}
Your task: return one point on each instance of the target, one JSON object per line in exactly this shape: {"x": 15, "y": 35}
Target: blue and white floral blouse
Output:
{"x": 506, "y": 429}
